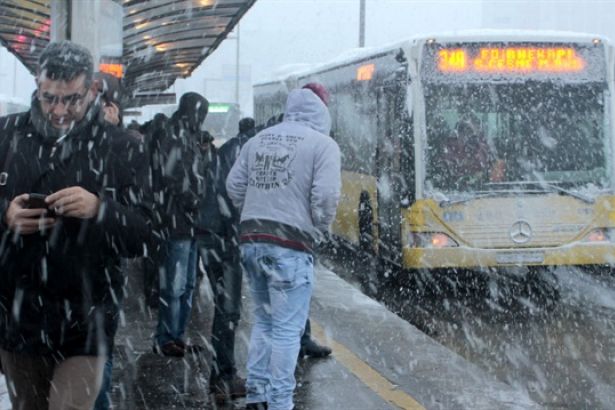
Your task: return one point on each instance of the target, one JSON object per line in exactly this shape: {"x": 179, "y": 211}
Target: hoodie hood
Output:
{"x": 305, "y": 107}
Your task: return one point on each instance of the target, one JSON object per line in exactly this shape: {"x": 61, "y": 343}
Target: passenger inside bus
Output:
{"x": 468, "y": 162}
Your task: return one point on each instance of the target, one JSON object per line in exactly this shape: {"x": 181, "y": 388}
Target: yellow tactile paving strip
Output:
{"x": 370, "y": 377}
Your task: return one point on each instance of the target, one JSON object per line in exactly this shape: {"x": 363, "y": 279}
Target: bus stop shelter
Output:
{"x": 162, "y": 39}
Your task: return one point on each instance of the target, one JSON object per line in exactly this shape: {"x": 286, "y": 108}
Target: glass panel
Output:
{"x": 356, "y": 131}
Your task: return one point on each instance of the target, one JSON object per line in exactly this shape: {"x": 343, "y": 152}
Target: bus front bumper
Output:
{"x": 462, "y": 257}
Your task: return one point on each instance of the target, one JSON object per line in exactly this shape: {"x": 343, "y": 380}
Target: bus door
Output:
{"x": 388, "y": 170}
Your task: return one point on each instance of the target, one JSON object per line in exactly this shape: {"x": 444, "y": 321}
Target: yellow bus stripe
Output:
{"x": 369, "y": 376}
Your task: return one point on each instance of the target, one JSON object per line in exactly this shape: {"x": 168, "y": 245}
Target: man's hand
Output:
{"x": 111, "y": 113}
{"x": 26, "y": 221}
{"x": 74, "y": 202}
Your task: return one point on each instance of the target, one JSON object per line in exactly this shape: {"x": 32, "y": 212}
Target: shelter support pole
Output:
{"x": 91, "y": 23}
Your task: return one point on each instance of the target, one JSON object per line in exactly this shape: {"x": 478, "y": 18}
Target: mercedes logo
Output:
{"x": 521, "y": 232}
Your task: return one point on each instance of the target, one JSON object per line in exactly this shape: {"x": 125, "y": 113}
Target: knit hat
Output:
{"x": 320, "y": 91}
{"x": 246, "y": 124}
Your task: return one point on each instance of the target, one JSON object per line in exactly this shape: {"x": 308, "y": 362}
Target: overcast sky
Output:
{"x": 275, "y": 33}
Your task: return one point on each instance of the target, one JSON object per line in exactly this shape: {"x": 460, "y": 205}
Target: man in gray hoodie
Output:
{"x": 286, "y": 183}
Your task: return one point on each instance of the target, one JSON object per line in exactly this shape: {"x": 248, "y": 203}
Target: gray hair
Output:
{"x": 65, "y": 61}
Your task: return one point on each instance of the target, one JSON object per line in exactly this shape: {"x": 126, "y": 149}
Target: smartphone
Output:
{"x": 37, "y": 201}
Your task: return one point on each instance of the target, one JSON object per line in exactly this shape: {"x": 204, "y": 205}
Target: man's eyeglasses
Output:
{"x": 71, "y": 100}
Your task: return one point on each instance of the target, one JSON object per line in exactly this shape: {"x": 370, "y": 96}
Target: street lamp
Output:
{"x": 237, "y": 68}
{"x": 362, "y": 23}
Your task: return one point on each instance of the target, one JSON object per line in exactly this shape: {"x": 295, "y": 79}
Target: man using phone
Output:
{"x": 61, "y": 283}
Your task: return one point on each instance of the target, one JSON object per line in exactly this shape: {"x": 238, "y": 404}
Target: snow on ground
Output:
{"x": 585, "y": 289}
{"x": 5, "y": 404}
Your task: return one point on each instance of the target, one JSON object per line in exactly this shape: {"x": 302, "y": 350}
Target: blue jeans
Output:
{"x": 177, "y": 281}
{"x": 103, "y": 401}
{"x": 281, "y": 282}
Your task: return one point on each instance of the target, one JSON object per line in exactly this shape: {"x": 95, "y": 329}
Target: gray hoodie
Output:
{"x": 287, "y": 179}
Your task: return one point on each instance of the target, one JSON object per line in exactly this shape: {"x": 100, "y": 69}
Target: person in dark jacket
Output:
{"x": 60, "y": 284}
{"x": 219, "y": 251}
{"x": 110, "y": 94}
{"x": 178, "y": 190}
{"x": 153, "y": 263}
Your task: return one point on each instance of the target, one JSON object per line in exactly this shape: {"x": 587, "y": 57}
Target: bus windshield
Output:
{"x": 482, "y": 136}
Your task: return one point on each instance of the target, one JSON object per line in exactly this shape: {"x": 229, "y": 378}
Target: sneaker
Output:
{"x": 256, "y": 406}
{"x": 313, "y": 349}
{"x": 170, "y": 349}
{"x": 228, "y": 389}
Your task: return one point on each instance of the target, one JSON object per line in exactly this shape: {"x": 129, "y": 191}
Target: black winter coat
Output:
{"x": 178, "y": 187}
{"x": 217, "y": 214}
{"x": 60, "y": 291}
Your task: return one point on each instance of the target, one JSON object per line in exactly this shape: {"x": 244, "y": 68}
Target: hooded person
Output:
{"x": 191, "y": 112}
{"x": 61, "y": 284}
{"x": 179, "y": 188}
{"x": 286, "y": 184}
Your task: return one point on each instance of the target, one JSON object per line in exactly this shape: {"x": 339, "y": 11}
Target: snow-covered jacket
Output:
{"x": 60, "y": 292}
{"x": 287, "y": 179}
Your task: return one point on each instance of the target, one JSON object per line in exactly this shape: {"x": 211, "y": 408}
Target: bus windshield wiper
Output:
{"x": 564, "y": 191}
{"x": 478, "y": 195}
{"x": 542, "y": 187}
{"x": 550, "y": 187}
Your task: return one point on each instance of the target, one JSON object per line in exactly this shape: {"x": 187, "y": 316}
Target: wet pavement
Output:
{"x": 144, "y": 380}
{"x": 379, "y": 360}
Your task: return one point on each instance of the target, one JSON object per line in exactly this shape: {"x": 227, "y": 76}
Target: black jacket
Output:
{"x": 178, "y": 187}
{"x": 217, "y": 214}
{"x": 60, "y": 291}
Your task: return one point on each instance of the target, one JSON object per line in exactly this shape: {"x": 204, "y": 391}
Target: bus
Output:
{"x": 484, "y": 151}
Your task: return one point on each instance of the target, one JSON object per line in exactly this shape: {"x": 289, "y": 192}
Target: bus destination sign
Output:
{"x": 510, "y": 59}
{"x": 494, "y": 61}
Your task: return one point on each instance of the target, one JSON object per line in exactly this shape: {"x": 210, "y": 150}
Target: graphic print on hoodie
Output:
{"x": 273, "y": 166}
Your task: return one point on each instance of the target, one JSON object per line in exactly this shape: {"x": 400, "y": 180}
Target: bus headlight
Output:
{"x": 600, "y": 235}
{"x": 434, "y": 240}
